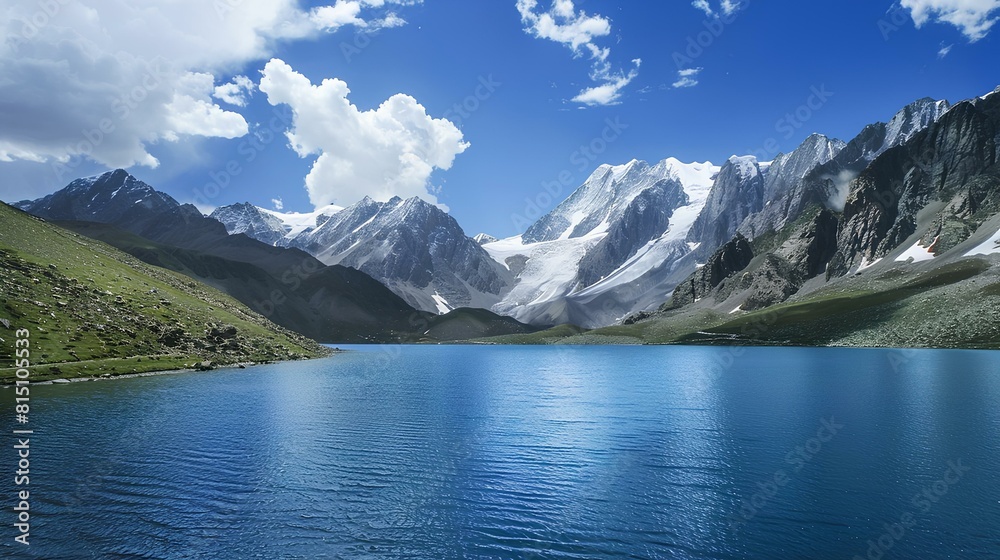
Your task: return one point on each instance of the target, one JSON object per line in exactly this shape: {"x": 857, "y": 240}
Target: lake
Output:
{"x": 524, "y": 452}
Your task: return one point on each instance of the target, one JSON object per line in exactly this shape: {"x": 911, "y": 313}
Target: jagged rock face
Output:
{"x": 105, "y": 198}
{"x": 603, "y": 198}
{"x": 822, "y": 246}
{"x": 414, "y": 248}
{"x": 774, "y": 281}
{"x": 953, "y": 160}
{"x": 644, "y": 219}
{"x": 609, "y": 248}
{"x": 829, "y": 183}
{"x": 730, "y": 259}
{"x": 738, "y": 193}
{"x": 785, "y": 195}
{"x": 247, "y": 219}
{"x": 118, "y": 198}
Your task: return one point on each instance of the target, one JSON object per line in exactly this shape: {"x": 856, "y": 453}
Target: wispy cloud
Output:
{"x": 726, "y": 7}
{"x": 577, "y": 30}
{"x": 944, "y": 50}
{"x": 687, "y": 78}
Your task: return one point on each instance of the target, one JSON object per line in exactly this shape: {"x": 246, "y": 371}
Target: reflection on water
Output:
{"x": 524, "y": 452}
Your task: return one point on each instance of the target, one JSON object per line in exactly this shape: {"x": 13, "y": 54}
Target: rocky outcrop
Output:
{"x": 646, "y": 218}
{"x": 953, "y": 161}
{"x": 414, "y": 248}
{"x": 786, "y": 195}
{"x": 774, "y": 281}
{"x": 730, "y": 259}
{"x": 247, "y": 219}
{"x": 737, "y": 194}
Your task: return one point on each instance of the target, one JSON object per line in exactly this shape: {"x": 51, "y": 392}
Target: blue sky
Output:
{"x": 521, "y": 82}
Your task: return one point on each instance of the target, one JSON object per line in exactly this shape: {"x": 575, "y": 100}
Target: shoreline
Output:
{"x": 172, "y": 371}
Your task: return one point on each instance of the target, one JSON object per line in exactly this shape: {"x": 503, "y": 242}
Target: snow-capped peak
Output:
{"x": 912, "y": 119}
{"x": 296, "y": 222}
{"x": 746, "y": 166}
{"x": 484, "y": 238}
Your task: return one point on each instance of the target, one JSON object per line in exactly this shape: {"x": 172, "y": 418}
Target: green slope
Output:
{"x": 93, "y": 310}
{"x": 330, "y": 304}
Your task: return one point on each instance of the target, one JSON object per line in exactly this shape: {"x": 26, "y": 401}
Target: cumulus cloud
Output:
{"x": 577, "y": 30}
{"x": 236, "y": 91}
{"x": 384, "y": 152}
{"x": 349, "y": 12}
{"x": 278, "y": 203}
{"x": 687, "y": 77}
{"x": 974, "y": 18}
{"x": 106, "y": 80}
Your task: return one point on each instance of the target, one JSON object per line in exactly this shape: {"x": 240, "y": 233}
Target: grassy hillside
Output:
{"x": 93, "y": 310}
{"x": 331, "y": 304}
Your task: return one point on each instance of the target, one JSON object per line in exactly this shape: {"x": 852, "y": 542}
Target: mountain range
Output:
{"x": 292, "y": 288}
{"x": 634, "y": 243}
{"x": 413, "y": 247}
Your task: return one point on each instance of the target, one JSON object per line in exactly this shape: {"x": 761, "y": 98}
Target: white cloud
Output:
{"x": 687, "y": 78}
{"x": 278, "y": 203}
{"x": 236, "y": 91}
{"x": 944, "y": 50}
{"x": 730, "y": 7}
{"x": 106, "y": 79}
{"x": 383, "y": 152}
{"x": 704, "y": 6}
{"x": 564, "y": 24}
{"x": 348, "y": 12}
{"x": 609, "y": 92}
{"x": 974, "y": 18}
{"x": 727, "y": 7}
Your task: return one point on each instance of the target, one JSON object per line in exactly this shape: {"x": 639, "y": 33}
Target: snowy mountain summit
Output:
{"x": 413, "y": 247}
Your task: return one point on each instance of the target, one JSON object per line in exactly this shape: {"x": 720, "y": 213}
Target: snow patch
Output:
{"x": 865, "y": 265}
{"x": 441, "y": 303}
{"x": 917, "y": 253}
{"x": 990, "y": 247}
{"x": 297, "y": 222}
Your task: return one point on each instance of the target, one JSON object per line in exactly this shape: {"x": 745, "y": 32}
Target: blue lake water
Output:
{"x": 524, "y": 452}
